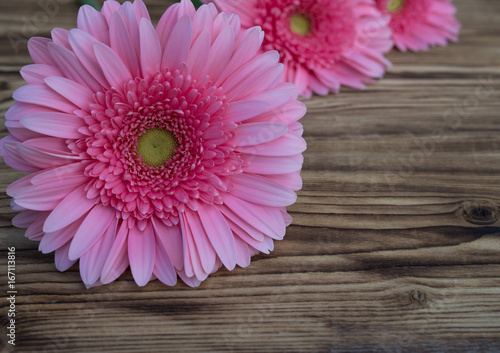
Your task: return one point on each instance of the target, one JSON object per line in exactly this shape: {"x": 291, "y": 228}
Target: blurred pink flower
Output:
{"x": 418, "y": 24}
{"x": 173, "y": 150}
{"x": 323, "y": 43}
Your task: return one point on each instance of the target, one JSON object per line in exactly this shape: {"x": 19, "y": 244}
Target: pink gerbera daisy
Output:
{"x": 418, "y": 24}
{"x": 173, "y": 150}
{"x": 323, "y": 43}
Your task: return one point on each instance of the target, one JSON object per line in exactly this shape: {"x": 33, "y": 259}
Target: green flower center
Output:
{"x": 300, "y": 24}
{"x": 156, "y": 146}
{"x": 395, "y": 5}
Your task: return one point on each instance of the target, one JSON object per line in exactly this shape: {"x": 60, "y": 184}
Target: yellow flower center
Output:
{"x": 300, "y": 24}
{"x": 156, "y": 146}
{"x": 395, "y": 5}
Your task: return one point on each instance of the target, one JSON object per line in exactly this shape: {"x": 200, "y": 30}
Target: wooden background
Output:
{"x": 395, "y": 244}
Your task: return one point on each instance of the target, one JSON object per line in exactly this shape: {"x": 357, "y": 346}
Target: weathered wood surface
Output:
{"x": 395, "y": 245}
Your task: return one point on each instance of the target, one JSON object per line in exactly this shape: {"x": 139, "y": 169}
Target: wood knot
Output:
{"x": 420, "y": 297}
{"x": 480, "y": 212}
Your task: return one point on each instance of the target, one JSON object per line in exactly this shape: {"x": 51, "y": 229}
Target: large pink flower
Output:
{"x": 418, "y": 24}
{"x": 323, "y": 43}
{"x": 173, "y": 150}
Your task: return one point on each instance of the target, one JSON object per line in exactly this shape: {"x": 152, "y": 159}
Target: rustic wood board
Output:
{"x": 395, "y": 244}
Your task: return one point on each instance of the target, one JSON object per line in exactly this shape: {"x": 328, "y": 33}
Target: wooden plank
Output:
{"x": 395, "y": 243}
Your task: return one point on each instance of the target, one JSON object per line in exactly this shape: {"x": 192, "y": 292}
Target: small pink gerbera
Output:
{"x": 323, "y": 43}
{"x": 173, "y": 150}
{"x": 418, "y": 24}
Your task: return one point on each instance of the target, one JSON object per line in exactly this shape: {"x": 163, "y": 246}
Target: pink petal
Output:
{"x": 142, "y": 253}
{"x": 113, "y": 67}
{"x": 166, "y": 23}
{"x": 263, "y": 246}
{"x": 163, "y": 268}
{"x": 77, "y": 94}
{"x": 60, "y": 36}
{"x": 276, "y": 98}
{"x": 53, "y": 241}
{"x": 83, "y": 46}
{"x": 41, "y": 158}
{"x": 192, "y": 262}
{"x": 178, "y": 45}
{"x": 206, "y": 252}
{"x": 109, "y": 8}
{"x": 247, "y": 13}
{"x": 242, "y": 223}
{"x": 15, "y": 207}
{"x": 38, "y": 50}
{"x": 92, "y": 21}
{"x": 71, "y": 65}
{"x": 220, "y": 22}
{"x": 246, "y": 109}
{"x": 117, "y": 260}
{"x": 42, "y": 95}
{"x": 197, "y": 59}
{"x": 54, "y": 124}
{"x": 51, "y": 145}
{"x": 46, "y": 196}
{"x": 18, "y": 110}
{"x": 71, "y": 208}
{"x": 12, "y": 157}
{"x": 26, "y": 218}
{"x": 288, "y": 145}
{"x": 127, "y": 11}
{"x": 267, "y": 220}
{"x": 258, "y": 133}
{"x": 247, "y": 49}
{"x": 272, "y": 165}
{"x": 203, "y": 20}
{"x": 263, "y": 71}
{"x": 169, "y": 237}
{"x": 266, "y": 81}
{"x": 219, "y": 233}
{"x": 92, "y": 228}
{"x": 287, "y": 114}
{"x": 186, "y": 7}
{"x": 12, "y": 117}
{"x": 141, "y": 11}
{"x": 19, "y": 132}
{"x": 19, "y": 185}
{"x": 287, "y": 218}
{"x": 36, "y": 73}
{"x": 291, "y": 180}
{"x": 67, "y": 172}
{"x": 34, "y": 231}
{"x": 190, "y": 281}
{"x": 122, "y": 44}
{"x": 262, "y": 192}
{"x": 96, "y": 283}
{"x": 233, "y": 20}
{"x": 150, "y": 48}
{"x": 220, "y": 53}
{"x": 92, "y": 262}
{"x": 243, "y": 253}
{"x": 61, "y": 258}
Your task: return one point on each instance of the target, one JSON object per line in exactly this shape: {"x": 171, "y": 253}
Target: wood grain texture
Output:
{"x": 395, "y": 244}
